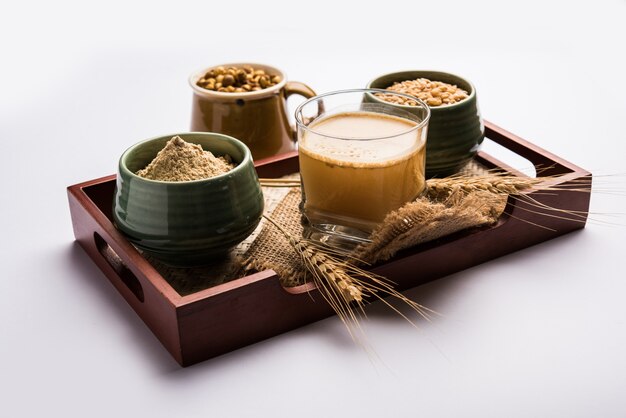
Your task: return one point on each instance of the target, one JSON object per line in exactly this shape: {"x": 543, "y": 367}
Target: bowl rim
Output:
{"x": 471, "y": 95}
{"x": 266, "y": 92}
{"x": 247, "y": 157}
{"x": 366, "y": 91}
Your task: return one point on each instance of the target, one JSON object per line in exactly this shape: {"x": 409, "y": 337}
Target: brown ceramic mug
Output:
{"x": 257, "y": 118}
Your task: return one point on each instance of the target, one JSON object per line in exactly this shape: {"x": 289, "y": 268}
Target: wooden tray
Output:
{"x": 228, "y": 316}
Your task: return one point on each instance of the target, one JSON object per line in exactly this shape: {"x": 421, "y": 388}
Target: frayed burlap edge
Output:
{"x": 415, "y": 223}
{"x": 272, "y": 251}
{"x": 425, "y": 220}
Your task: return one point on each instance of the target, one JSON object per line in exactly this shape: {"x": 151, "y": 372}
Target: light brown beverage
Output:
{"x": 357, "y": 181}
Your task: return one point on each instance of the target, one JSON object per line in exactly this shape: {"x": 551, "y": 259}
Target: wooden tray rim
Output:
{"x": 119, "y": 244}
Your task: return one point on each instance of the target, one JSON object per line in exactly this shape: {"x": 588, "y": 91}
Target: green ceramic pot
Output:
{"x": 455, "y": 132}
{"x": 188, "y": 223}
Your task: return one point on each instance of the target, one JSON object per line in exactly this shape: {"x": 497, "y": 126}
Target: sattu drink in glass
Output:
{"x": 357, "y": 164}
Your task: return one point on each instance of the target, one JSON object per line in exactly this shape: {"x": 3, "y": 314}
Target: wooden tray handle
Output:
{"x": 127, "y": 269}
{"x": 551, "y": 164}
{"x": 124, "y": 274}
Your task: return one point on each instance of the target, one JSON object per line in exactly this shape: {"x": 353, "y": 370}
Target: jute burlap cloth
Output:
{"x": 417, "y": 222}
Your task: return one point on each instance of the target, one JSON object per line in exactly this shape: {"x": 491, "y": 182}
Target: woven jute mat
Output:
{"x": 272, "y": 251}
{"x": 417, "y": 222}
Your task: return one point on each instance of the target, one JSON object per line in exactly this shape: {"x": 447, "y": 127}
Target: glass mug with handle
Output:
{"x": 257, "y": 118}
{"x": 360, "y": 158}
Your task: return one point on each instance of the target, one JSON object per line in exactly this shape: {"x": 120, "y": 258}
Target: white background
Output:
{"x": 539, "y": 333}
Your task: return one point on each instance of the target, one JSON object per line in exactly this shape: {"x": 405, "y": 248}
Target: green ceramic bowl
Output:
{"x": 455, "y": 132}
{"x": 188, "y": 223}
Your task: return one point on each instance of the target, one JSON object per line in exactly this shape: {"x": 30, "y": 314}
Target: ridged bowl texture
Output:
{"x": 188, "y": 223}
{"x": 455, "y": 131}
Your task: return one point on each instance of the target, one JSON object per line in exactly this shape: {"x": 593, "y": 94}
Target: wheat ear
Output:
{"x": 344, "y": 285}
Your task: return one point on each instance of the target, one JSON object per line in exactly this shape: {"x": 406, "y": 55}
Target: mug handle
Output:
{"x": 301, "y": 89}
{"x": 295, "y": 87}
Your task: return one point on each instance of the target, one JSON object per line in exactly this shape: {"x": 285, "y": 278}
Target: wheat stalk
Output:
{"x": 498, "y": 183}
{"x": 342, "y": 284}
{"x": 494, "y": 182}
{"x": 266, "y": 182}
{"x": 508, "y": 184}
{"x": 440, "y": 189}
